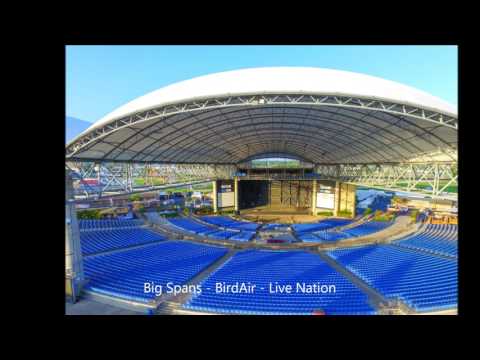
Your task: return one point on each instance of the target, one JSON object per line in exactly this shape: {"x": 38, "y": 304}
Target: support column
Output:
{"x": 352, "y": 192}
{"x": 98, "y": 167}
{"x": 214, "y": 200}
{"x": 74, "y": 275}
{"x": 337, "y": 199}
{"x": 128, "y": 180}
{"x": 236, "y": 195}
{"x": 436, "y": 181}
{"x": 314, "y": 197}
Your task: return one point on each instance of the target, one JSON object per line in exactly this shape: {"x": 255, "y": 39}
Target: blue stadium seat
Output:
{"x": 330, "y": 236}
{"x": 367, "y": 228}
{"x": 436, "y": 239}
{"x": 192, "y": 226}
{"x": 324, "y": 231}
{"x": 107, "y": 224}
{"x": 94, "y": 242}
{"x": 275, "y": 227}
{"x": 424, "y": 282}
{"x": 322, "y": 225}
{"x": 222, "y": 235}
{"x": 262, "y": 267}
{"x": 243, "y": 236}
{"x": 234, "y": 229}
{"x": 229, "y": 223}
{"x": 123, "y": 274}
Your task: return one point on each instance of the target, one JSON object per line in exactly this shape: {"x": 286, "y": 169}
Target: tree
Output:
{"x": 90, "y": 214}
{"x": 135, "y": 197}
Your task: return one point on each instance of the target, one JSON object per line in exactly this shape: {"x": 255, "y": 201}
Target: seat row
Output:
{"x": 424, "y": 282}
{"x": 266, "y": 268}
{"x": 321, "y": 225}
{"x": 229, "y": 223}
{"x": 367, "y": 228}
{"x": 94, "y": 224}
{"x": 436, "y": 239}
{"x": 124, "y": 274}
{"x": 195, "y": 227}
{"x": 93, "y": 242}
{"x": 323, "y": 236}
{"x": 330, "y": 235}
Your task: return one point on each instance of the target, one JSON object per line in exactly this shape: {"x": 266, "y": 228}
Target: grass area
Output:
{"x": 414, "y": 214}
{"x": 170, "y": 215}
{"x": 91, "y": 214}
{"x": 345, "y": 213}
{"x": 204, "y": 211}
{"x": 157, "y": 182}
{"x": 381, "y": 216}
{"x": 275, "y": 164}
{"x": 201, "y": 187}
{"x": 425, "y": 185}
{"x": 141, "y": 182}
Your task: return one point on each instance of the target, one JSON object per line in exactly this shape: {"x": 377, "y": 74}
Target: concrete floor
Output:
{"x": 90, "y": 307}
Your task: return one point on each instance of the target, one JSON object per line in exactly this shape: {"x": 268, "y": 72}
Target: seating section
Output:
{"x": 212, "y": 231}
{"x": 243, "y": 236}
{"x": 222, "y": 235}
{"x": 108, "y": 224}
{"x": 275, "y": 227}
{"x": 192, "y": 226}
{"x": 410, "y": 269}
{"x": 324, "y": 232}
{"x": 424, "y": 282}
{"x": 367, "y": 228}
{"x": 308, "y": 237}
{"x": 323, "y": 236}
{"x": 229, "y": 223}
{"x": 322, "y": 225}
{"x": 262, "y": 267}
{"x": 330, "y": 236}
{"x": 436, "y": 239}
{"x": 94, "y": 242}
{"x": 123, "y": 274}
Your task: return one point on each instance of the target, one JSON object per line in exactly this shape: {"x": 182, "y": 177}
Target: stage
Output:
{"x": 281, "y": 215}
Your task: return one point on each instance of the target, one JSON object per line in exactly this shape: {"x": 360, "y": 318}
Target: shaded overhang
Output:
{"x": 319, "y": 115}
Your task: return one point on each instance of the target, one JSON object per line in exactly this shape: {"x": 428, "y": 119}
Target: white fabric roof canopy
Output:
{"x": 328, "y": 133}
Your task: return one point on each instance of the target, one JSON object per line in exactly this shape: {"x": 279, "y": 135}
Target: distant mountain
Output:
{"x": 73, "y": 127}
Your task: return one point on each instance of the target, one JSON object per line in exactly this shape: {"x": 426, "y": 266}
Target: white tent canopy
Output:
{"x": 321, "y": 115}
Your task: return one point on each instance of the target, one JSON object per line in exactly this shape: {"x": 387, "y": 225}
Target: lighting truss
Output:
{"x": 427, "y": 178}
{"x": 124, "y": 178}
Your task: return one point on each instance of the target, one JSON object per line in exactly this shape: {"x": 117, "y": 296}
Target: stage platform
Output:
{"x": 281, "y": 215}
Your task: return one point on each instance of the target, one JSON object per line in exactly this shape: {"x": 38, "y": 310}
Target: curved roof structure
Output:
{"x": 321, "y": 115}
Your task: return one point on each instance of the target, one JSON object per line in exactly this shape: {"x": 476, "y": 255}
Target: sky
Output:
{"x": 101, "y": 78}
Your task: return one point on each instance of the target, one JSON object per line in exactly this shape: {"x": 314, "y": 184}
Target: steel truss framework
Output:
{"x": 114, "y": 178}
{"x": 409, "y": 177}
{"x": 294, "y": 134}
{"x": 118, "y": 178}
{"x": 348, "y": 138}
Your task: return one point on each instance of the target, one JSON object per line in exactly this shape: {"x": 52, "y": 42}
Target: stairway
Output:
{"x": 275, "y": 194}
{"x": 168, "y": 308}
{"x": 169, "y": 304}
